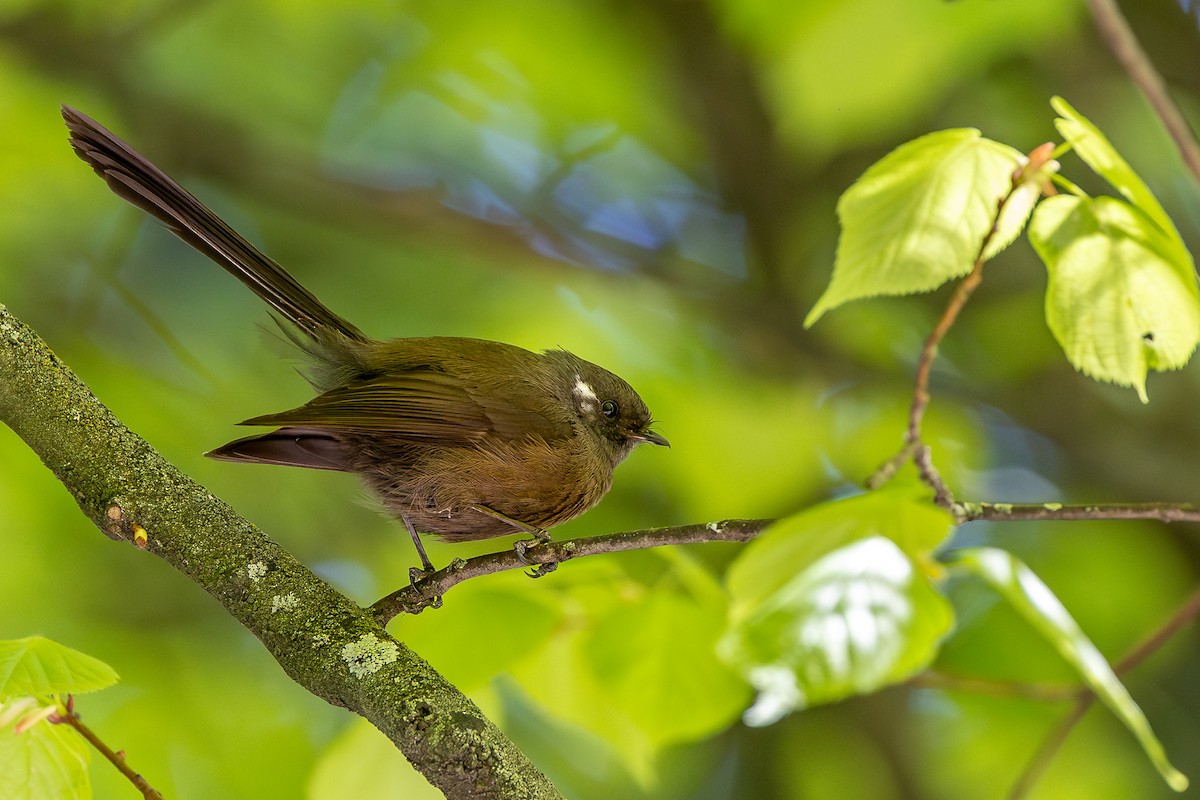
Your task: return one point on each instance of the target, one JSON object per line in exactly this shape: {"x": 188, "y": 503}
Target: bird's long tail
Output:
{"x": 132, "y": 176}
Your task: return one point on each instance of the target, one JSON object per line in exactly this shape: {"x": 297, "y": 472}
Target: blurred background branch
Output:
{"x": 1124, "y": 45}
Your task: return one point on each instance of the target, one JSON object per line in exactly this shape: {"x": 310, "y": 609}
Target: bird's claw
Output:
{"x": 542, "y": 570}
{"x": 416, "y": 575}
{"x": 523, "y": 546}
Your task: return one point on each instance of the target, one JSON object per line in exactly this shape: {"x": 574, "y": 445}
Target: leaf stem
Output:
{"x": 68, "y": 716}
{"x": 913, "y": 446}
{"x": 1058, "y": 180}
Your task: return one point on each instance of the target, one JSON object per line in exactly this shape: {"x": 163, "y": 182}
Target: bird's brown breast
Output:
{"x": 529, "y": 480}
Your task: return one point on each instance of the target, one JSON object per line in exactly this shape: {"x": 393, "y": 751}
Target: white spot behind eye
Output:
{"x": 585, "y": 394}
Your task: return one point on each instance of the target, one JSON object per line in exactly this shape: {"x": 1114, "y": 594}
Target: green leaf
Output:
{"x": 46, "y": 762}
{"x": 918, "y": 217}
{"x": 1099, "y": 154}
{"x": 364, "y": 764}
{"x": 642, "y": 675}
{"x": 483, "y": 629}
{"x": 836, "y": 601}
{"x": 772, "y": 561}
{"x": 1013, "y": 216}
{"x": 655, "y": 660}
{"x": 1122, "y": 297}
{"x": 585, "y": 678}
{"x": 37, "y": 666}
{"x": 1034, "y": 600}
{"x": 560, "y": 679}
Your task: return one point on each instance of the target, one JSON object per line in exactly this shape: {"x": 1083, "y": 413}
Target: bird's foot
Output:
{"x": 416, "y": 575}
{"x": 522, "y": 546}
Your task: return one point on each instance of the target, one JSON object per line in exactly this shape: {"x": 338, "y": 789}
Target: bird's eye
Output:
{"x": 609, "y": 409}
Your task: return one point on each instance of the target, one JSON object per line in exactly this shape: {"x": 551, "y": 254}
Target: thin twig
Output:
{"x": 1026, "y": 512}
{"x": 1042, "y": 692}
{"x": 923, "y": 459}
{"x": 1054, "y": 740}
{"x": 427, "y": 591}
{"x": 888, "y": 469}
{"x": 962, "y": 294}
{"x": 912, "y": 435}
{"x": 1144, "y": 649}
{"x": 1119, "y": 37}
{"x": 68, "y": 716}
{"x": 1049, "y": 748}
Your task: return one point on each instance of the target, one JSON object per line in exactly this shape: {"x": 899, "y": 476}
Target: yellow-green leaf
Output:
{"x": 46, "y": 762}
{"x": 1014, "y": 215}
{"x": 766, "y": 565}
{"x": 1122, "y": 297}
{"x": 918, "y": 217}
{"x": 674, "y": 689}
{"x": 837, "y": 601}
{"x": 1098, "y": 153}
{"x": 37, "y": 666}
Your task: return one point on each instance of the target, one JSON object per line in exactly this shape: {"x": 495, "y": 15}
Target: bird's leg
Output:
{"x": 539, "y": 533}
{"x": 521, "y": 546}
{"x": 415, "y": 574}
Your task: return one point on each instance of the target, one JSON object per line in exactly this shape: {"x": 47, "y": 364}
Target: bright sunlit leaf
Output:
{"x": 771, "y": 561}
{"x": 38, "y": 666}
{"x": 1122, "y": 296}
{"x": 836, "y": 601}
{"x": 1034, "y": 601}
{"x": 1015, "y": 214}
{"x": 918, "y": 217}
{"x": 1098, "y": 153}
{"x": 46, "y": 762}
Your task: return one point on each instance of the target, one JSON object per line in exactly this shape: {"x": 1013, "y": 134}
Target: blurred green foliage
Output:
{"x": 652, "y": 186}
{"x": 836, "y": 601}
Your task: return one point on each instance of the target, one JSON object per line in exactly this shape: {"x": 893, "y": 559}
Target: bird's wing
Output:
{"x": 291, "y": 447}
{"x": 421, "y": 404}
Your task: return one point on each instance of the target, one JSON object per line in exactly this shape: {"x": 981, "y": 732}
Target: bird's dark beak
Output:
{"x": 651, "y": 437}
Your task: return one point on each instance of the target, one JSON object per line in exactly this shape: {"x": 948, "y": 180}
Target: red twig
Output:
{"x": 913, "y": 446}
{"x": 68, "y": 716}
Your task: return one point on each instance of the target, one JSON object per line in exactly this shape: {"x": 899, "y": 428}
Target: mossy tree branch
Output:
{"x": 322, "y": 639}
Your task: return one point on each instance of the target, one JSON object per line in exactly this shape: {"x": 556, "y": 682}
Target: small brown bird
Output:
{"x": 464, "y": 438}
